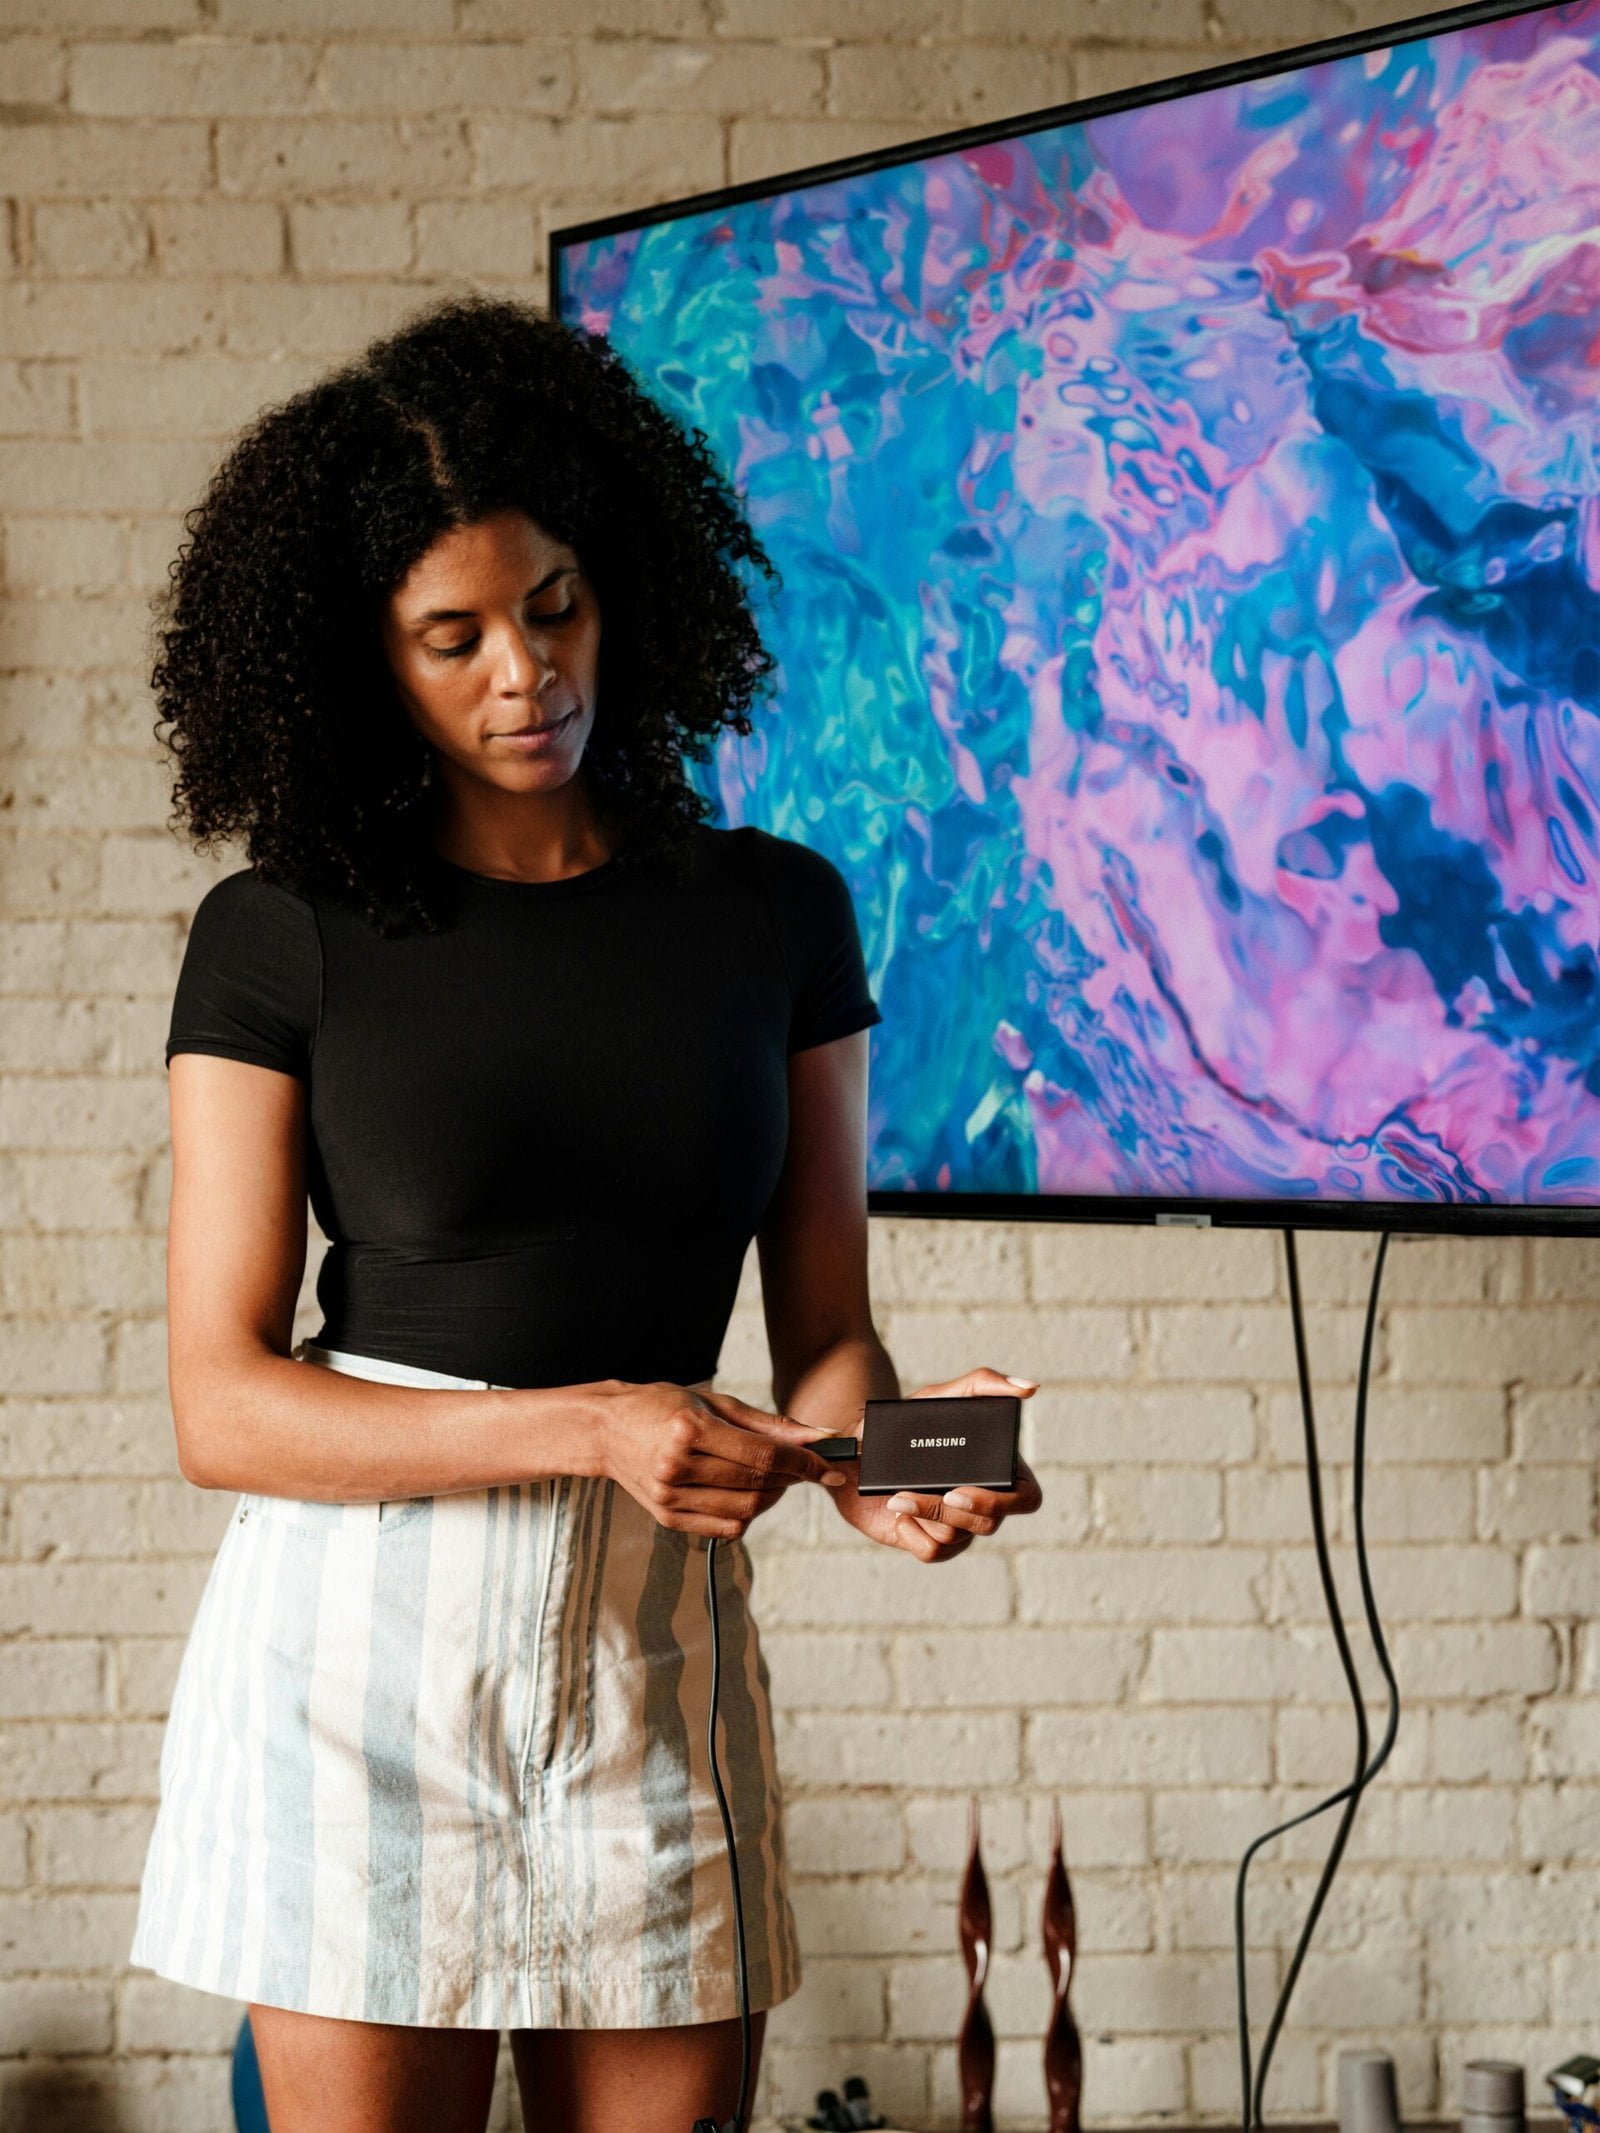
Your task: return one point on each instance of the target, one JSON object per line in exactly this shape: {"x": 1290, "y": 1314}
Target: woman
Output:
{"x": 546, "y": 1051}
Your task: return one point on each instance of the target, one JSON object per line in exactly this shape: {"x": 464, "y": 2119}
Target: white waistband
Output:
{"x": 387, "y": 1373}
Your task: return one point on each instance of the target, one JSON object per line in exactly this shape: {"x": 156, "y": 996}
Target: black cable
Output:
{"x": 1365, "y": 1772}
{"x": 740, "y": 2121}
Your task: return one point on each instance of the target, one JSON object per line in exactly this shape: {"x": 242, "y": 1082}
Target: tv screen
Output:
{"x": 1188, "y": 517}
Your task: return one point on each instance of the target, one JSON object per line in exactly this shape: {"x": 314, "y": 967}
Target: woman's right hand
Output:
{"x": 704, "y": 1462}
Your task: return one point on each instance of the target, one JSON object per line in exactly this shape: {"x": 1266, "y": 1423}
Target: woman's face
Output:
{"x": 493, "y": 637}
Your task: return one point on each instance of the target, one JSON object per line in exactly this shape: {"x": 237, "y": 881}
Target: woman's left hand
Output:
{"x": 935, "y": 1528}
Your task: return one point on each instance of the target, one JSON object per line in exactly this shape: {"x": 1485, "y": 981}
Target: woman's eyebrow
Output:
{"x": 465, "y": 614}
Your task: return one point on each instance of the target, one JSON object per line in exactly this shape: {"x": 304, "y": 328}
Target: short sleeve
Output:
{"x": 817, "y": 930}
{"x": 251, "y": 979}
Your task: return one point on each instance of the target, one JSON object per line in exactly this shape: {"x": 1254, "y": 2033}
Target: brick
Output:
{"x": 489, "y": 239}
{"x": 1336, "y": 1267}
{"x": 884, "y": 1586}
{"x": 1152, "y": 1995}
{"x": 59, "y": 1521}
{"x": 57, "y": 2014}
{"x": 177, "y": 1518}
{"x": 831, "y": 1671}
{"x": 1245, "y": 21}
{"x": 653, "y": 158}
{"x": 200, "y": 80}
{"x": 1557, "y": 1428}
{"x": 1180, "y": 1503}
{"x": 726, "y": 77}
{"x": 1406, "y": 1425}
{"x": 210, "y": 237}
{"x": 1093, "y": 1263}
{"x": 1213, "y": 1665}
{"x": 93, "y": 15}
{"x": 1421, "y": 1503}
{"x": 81, "y": 1111}
{"x": 841, "y": 18}
{"x": 73, "y": 1436}
{"x": 877, "y": 1916}
{"x": 946, "y": 85}
{"x": 34, "y": 72}
{"x": 41, "y": 874}
{"x": 82, "y": 1597}
{"x": 1562, "y": 1580}
{"x": 55, "y": 1677}
{"x": 1317, "y": 1747}
{"x": 147, "y": 1673}
{"x": 1422, "y": 1584}
{"x": 764, "y": 148}
{"x": 1025, "y": 1667}
{"x": 898, "y": 1748}
{"x": 1471, "y": 1747}
{"x": 1250, "y": 1342}
{"x": 159, "y": 2015}
{"x": 189, "y": 396}
{"x": 1549, "y": 1345}
{"x": 1139, "y": 1426}
{"x": 179, "y": 2095}
{"x": 1296, "y": 2078}
{"x": 1109, "y": 69}
{"x": 102, "y": 475}
{"x": 90, "y": 237}
{"x": 65, "y": 554}
{"x": 320, "y": 18}
{"x": 344, "y": 155}
{"x": 844, "y": 1834}
{"x": 842, "y": 2001}
{"x": 90, "y": 1847}
{"x": 13, "y": 1853}
{"x": 932, "y": 1347}
{"x": 1474, "y": 1660}
{"x": 34, "y": 1357}
{"x": 1056, "y": 21}
{"x": 35, "y": 400}
{"x": 1537, "y": 1504}
{"x": 77, "y": 1274}
{"x": 1134, "y": 1747}
{"x": 1559, "y": 1821}
{"x": 352, "y": 237}
{"x": 524, "y": 74}
{"x": 104, "y": 156}
{"x": 47, "y": 1931}
{"x": 1142, "y": 1584}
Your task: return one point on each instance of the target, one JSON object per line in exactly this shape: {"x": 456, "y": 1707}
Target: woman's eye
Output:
{"x": 459, "y": 651}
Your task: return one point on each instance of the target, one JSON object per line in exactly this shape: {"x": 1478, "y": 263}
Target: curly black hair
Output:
{"x": 270, "y": 669}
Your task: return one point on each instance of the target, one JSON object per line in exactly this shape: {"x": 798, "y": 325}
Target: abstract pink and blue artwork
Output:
{"x": 1189, "y": 629}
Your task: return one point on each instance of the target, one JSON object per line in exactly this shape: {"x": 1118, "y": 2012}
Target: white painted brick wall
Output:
{"x": 202, "y": 204}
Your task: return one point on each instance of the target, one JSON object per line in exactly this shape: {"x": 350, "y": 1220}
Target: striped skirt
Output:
{"x": 441, "y": 1760}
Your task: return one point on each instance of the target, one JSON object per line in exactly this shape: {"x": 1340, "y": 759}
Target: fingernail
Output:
{"x": 1010, "y": 1380}
{"x": 959, "y": 1497}
{"x": 833, "y": 1479}
{"x": 902, "y": 1503}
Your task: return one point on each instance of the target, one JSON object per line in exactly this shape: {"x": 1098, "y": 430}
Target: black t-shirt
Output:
{"x": 540, "y": 1140}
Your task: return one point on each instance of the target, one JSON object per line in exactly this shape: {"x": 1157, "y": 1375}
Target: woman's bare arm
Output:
{"x": 249, "y": 1417}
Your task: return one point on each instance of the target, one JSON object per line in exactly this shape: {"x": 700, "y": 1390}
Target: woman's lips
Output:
{"x": 535, "y": 743}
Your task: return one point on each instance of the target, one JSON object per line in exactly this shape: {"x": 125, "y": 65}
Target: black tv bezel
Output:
{"x": 1409, "y": 1217}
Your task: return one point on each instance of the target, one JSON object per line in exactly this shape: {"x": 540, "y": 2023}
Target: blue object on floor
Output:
{"x": 249, "y": 2104}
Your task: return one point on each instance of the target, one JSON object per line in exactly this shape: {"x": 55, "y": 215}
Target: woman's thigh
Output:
{"x": 630, "y": 2080}
{"x": 319, "y": 2075}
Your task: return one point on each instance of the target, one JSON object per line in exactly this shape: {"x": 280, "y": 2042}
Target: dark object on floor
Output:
{"x": 975, "y": 2051}
{"x": 249, "y": 2104}
{"x": 1063, "y": 2047}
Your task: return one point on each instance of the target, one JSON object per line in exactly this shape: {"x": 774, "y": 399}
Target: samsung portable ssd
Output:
{"x": 929, "y": 1446}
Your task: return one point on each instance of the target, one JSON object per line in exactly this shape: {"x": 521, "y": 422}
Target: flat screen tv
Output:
{"x": 1187, "y": 508}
